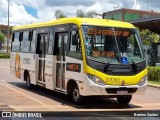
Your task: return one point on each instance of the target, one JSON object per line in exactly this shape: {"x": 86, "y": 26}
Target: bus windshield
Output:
{"x": 113, "y": 45}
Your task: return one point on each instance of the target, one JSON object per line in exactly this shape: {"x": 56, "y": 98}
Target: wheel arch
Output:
{"x": 70, "y": 85}
{"x": 25, "y": 75}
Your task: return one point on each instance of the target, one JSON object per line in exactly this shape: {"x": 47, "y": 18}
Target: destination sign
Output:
{"x": 109, "y": 32}
{"x": 110, "y": 54}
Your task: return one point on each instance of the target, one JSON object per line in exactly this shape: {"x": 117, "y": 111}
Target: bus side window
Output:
{"x": 25, "y": 43}
{"x": 39, "y": 46}
{"x": 75, "y": 46}
{"x": 33, "y": 41}
{"x": 56, "y": 49}
{"x": 51, "y": 41}
{"x": 16, "y": 42}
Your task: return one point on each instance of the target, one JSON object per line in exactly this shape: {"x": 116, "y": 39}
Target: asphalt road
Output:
{"x": 14, "y": 96}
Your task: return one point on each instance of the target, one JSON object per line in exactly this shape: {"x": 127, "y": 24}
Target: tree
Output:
{"x": 149, "y": 37}
{"x": 80, "y": 13}
{"x": 2, "y": 37}
{"x": 59, "y": 14}
{"x": 89, "y": 14}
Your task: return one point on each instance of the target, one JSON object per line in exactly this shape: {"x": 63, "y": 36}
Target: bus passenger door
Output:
{"x": 42, "y": 50}
{"x": 61, "y": 39}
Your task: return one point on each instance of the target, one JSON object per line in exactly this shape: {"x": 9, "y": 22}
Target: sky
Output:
{"x": 30, "y": 11}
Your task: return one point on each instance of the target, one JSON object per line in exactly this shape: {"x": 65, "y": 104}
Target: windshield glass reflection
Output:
{"x": 112, "y": 45}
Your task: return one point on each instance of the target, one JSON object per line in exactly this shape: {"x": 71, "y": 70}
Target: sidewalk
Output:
{"x": 153, "y": 85}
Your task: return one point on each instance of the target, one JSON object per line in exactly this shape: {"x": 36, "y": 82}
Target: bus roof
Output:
{"x": 78, "y": 22}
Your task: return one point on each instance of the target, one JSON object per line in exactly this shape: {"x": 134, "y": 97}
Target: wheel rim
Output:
{"x": 76, "y": 94}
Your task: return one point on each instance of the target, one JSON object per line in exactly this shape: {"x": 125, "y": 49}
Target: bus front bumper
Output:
{"x": 123, "y": 90}
{"x": 112, "y": 90}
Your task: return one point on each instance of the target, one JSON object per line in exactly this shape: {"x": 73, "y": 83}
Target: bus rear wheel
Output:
{"x": 28, "y": 82}
{"x": 124, "y": 99}
{"x": 76, "y": 97}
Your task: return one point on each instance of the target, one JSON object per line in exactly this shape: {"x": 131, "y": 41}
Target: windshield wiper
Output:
{"x": 101, "y": 68}
{"x": 134, "y": 66}
{"x": 106, "y": 67}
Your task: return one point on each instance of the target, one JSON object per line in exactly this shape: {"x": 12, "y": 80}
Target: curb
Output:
{"x": 153, "y": 85}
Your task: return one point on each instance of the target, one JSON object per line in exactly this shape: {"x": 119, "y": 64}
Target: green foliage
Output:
{"x": 80, "y": 13}
{"x": 154, "y": 82}
{"x": 62, "y": 16}
{"x": 10, "y": 30}
{"x": 91, "y": 14}
{"x": 5, "y": 31}
{"x": 131, "y": 38}
{"x": 59, "y": 14}
{"x": 153, "y": 73}
{"x": 2, "y": 36}
{"x": 3, "y": 56}
{"x": 88, "y": 14}
{"x": 149, "y": 37}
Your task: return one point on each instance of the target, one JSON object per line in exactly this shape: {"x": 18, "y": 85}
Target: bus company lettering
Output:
{"x": 95, "y": 31}
{"x": 27, "y": 61}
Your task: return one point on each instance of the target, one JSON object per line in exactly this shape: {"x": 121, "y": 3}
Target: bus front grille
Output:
{"x": 114, "y": 90}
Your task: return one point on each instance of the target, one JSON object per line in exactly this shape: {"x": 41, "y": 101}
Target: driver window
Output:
{"x": 75, "y": 45}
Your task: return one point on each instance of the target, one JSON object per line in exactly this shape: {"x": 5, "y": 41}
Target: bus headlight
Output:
{"x": 142, "y": 81}
{"x": 96, "y": 79}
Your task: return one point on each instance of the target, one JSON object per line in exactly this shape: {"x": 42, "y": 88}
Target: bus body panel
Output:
{"x": 49, "y": 81}
{"x": 74, "y": 73}
{"x": 78, "y": 22}
{"x": 90, "y": 88}
{"x": 116, "y": 80}
{"x": 54, "y": 71}
{"x": 71, "y": 74}
{"x": 21, "y": 62}
{"x": 36, "y": 71}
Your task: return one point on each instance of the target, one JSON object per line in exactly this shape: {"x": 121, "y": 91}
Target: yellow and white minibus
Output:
{"x": 80, "y": 57}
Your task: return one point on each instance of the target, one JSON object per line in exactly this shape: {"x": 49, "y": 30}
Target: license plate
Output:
{"x": 122, "y": 91}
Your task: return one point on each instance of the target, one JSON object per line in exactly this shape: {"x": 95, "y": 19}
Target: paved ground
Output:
{"x": 15, "y": 96}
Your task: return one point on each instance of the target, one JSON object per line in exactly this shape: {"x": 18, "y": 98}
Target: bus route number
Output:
{"x": 75, "y": 67}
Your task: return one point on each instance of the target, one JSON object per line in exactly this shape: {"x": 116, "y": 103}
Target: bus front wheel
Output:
{"x": 76, "y": 97}
{"x": 124, "y": 99}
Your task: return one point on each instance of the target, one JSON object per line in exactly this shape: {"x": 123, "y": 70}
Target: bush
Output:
{"x": 153, "y": 73}
{"x": 3, "y": 56}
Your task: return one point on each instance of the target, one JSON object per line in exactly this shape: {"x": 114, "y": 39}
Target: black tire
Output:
{"x": 124, "y": 99}
{"x": 76, "y": 97}
{"x": 28, "y": 82}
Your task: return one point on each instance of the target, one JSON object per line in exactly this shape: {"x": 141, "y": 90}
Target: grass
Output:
{"x": 4, "y": 56}
{"x": 154, "y": 82}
